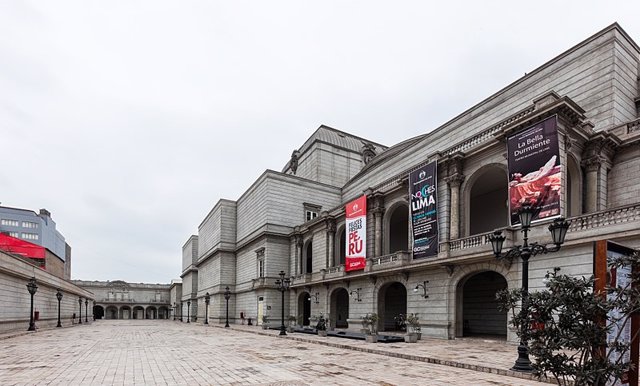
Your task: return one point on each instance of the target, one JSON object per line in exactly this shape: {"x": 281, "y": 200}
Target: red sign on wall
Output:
{"x": 356, "y": 229}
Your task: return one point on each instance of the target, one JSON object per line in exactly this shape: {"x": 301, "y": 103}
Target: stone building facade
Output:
{"x": 294, "y": 220}
{"x": 121, "y": 300}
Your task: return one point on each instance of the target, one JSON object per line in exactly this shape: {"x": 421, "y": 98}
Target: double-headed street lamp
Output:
{"x": 227, "y": 295}
{"x": 80, "y": 316}
{"x": 525, "y": 251}
{"x": 59, "y": 297}
{"x": 207, "y": 299}
{"x": 188, "y": 311}
{"x": 32, "y": 287}
{"x": 283, "y": 286}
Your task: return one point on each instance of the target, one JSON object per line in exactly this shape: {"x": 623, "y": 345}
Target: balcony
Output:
{"x": 393, "y": 260}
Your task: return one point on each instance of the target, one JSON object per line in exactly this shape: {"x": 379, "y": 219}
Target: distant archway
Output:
{"x": 397, "y": 228}
{"x": 151, "y": 313}
{"x": 138, "y": 312}
{"x": 98, "y": 312}
{"x": 478, "y": 310}
{"x": 304, "y": 308}
{"x": 487, "y": 198}
{"x": 392, "y": 301}
{"x": 308, "y": 257}
{"x": 111, "y": 312}
{"x": 163, "y": 313}
{"x": 339, "y": 312}
{"x": 125, "y": 312}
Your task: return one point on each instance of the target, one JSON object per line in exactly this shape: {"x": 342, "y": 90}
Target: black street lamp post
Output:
{"x": 32, "y": 287}
{"x": 86, "y": 310}
{"x": 525, "y": 251}
{"x": 181, "y": 310}
{"x": 80, "y": 316}
{"x": 227, "y": 295}
{"x": 188, "y": 311}
{"x": 175, "y": 310}
{"x": 59, "y": 297}
{"x": 283, "y": 286}
{"x": 207, "y": 300}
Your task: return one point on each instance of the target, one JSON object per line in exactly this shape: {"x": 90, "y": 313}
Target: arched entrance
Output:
{"x": 488, "y": 209}
{"x": 163, "y": 313}
{"x": 111, "y": 312}
{"x": 138, "y": 312}
{"x": 151, "y": 313}
{"x": 125, "y": 312}
{"x": 397, "y": 229}
{"x": 339, "y": 312}
{"x": 392, "y": 301}
{"x": 308, "y": 257}
{"x": 477, "y": 309}
{"x": 304, "y": 307}
{"x": 98, "y": 312}
{"x": 574, "y": 188}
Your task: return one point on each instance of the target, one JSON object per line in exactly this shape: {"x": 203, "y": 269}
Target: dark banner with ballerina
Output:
{"x": 534, "y": 170}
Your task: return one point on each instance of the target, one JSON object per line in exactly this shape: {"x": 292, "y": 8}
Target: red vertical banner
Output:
{"x": 356, "y": 240}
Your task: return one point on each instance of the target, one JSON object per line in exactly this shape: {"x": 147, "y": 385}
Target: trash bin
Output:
{"x": 36, "y": 315}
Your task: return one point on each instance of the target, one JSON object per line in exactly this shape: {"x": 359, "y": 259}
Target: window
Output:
{"x": 311, "y": 211}
{"x": 11, "y": 223}
{"x": 14, "y": 234}
{"x": 30, "y": 236}
{"x": 28, "y": 224}
{"x": 260, "y": 258}
{"x": 310, "y": 215}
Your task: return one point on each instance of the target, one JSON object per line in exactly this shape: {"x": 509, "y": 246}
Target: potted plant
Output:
{"x": 321, "y": 326}
{"x": 401, "y": 322}
{"x": 370, "y": 324}
{"x": 265, "y": 322}
{"x": 292, "y": 323}
{"x": 414, "y": 327}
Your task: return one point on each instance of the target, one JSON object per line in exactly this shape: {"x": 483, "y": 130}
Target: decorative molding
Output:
{"x": 450, "y": 268}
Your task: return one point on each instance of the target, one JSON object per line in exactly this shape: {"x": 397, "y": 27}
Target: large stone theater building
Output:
{"x": 294, "y": 219}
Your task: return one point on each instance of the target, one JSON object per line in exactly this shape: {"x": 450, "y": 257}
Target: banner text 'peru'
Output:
{"x": 356, "y": 240}
{"x": 535, "y": 174}
{"x": 424, "y": 213}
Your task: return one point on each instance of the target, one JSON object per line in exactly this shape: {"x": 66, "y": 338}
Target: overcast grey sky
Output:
{"x": 128, "y": 120}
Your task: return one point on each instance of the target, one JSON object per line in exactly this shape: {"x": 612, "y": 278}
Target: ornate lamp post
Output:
{"x": 32, "y": 287}
{"x": 175, "y": 310}
{"x": 525, "y": 251}
{"x": 227, "y": 295}
{"x": 207, "y": 300}
{"x": 283, "y": 286}
{"x": 188, "y": 311}
{"x": 80, "y": 316}
{"x": 59, "y": 297}
{"x": 86, "y": 310}
{"x": 181, "y": 308}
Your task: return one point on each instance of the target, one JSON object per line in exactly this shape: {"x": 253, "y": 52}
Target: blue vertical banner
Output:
{"x": 423, "y": 189}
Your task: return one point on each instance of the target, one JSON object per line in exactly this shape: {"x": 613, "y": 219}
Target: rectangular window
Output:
{"x": 29, "y": 224}
{"x": 30, "y": 236}
{"x": 310, "y": 215}
{"x": 11, "y": 223}
{"x": 260, "y": 268}
{"x": 14, "y": 234}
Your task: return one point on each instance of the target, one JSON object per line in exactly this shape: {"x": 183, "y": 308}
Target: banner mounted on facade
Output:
{"x": 534, "y": 170}
{"x": 356, "y": 240}
{"x": 424, "y": 213}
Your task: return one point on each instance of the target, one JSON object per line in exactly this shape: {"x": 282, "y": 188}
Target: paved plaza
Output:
{"x": 154, "y": 352}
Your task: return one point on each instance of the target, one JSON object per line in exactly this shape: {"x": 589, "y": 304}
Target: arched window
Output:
{"x": 308, "y": 267}
{"x": 488, "y": 207}
{"x": 397, "y": 229}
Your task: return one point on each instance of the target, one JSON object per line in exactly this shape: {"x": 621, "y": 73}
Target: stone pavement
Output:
{"x": 155, "y": 352}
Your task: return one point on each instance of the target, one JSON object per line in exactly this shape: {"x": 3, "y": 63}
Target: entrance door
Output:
{"x": 260, "y": 310}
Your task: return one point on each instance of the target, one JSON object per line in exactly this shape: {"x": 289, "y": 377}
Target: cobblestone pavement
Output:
{"x": 172, "y": 353}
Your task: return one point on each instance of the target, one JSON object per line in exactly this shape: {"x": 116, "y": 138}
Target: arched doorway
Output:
{"x": 163, "y": 313}
{"x": 98, "y": 312}
{"x": 339, "y": 312}
{"x": 304, "y": 308}
{"x": 151, "y": 313}
{"x": 392, "y": 301}
{"x": 125, "y": 312}
{"x": 111, "y": 312}
{"x": 308, "y": 258}
{"x": 397, "y": 229}
{"x": 138, "y": 312}
{"x": 488, "y": 209}
{"x": 477, "y": 310}
{"x": 574, "y": 189}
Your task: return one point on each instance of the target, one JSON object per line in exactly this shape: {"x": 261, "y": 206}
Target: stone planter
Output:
{"x": 290, "y": 329}
{"x": 322, "y": 332}
{"x": 419, "y": 335}
{"x": 411, "y": 337}
{"x": 371, "y": 338}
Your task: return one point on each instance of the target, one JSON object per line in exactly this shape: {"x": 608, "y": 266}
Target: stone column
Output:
{"x": 298, "y": 241}
{"x": 454, "y": 182}
{"x": 592, "y": 168}
{"x": 331, "y": 235}
{"x": 378, "y": 212}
